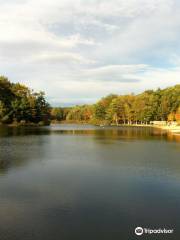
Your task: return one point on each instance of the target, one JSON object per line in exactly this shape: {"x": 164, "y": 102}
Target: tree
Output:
{"x": 18, "y": 103}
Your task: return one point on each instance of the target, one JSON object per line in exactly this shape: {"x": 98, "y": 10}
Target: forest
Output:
{"x": 21, "y": 105}
{"x": 143, "y": 108}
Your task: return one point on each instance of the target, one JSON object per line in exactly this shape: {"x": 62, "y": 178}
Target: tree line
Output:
{"x": 158, "y": 105}
{"x": 19, "y": 104}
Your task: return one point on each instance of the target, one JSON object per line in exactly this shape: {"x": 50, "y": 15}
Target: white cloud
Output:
{"x": 81, "y": 50}
{"x": 56, "y": 58}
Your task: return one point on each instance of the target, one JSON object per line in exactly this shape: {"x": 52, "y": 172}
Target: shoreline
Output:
{"x": 172, "y": 129}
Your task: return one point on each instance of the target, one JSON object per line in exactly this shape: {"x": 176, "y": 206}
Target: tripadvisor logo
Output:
{"x": 139, "y": 231}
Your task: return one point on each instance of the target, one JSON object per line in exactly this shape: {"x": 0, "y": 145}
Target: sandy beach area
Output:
{"x": 172, "y": 129}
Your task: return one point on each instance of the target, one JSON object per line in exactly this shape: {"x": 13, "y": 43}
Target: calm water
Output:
{"x": 88, "y": 183}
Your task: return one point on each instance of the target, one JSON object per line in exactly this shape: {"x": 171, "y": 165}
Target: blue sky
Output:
{"x": 80, "y": 50}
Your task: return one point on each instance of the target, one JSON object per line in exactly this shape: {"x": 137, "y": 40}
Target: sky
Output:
{"x": 78, "y": 51}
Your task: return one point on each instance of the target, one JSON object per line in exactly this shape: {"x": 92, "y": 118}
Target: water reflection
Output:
{"x": 19, "y": 145}
{"x": 86, "y": 182}
{"x": 20, "y": 150}
{"x": 107, "y": 132}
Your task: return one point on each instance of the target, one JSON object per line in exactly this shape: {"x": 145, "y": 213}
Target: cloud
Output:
{"x": 78, "y": 51}
{"x": 56, "y": 58}
{"x": 120, "y": 73}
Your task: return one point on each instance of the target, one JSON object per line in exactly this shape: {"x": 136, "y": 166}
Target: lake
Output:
{"x": 83, "y": 182}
